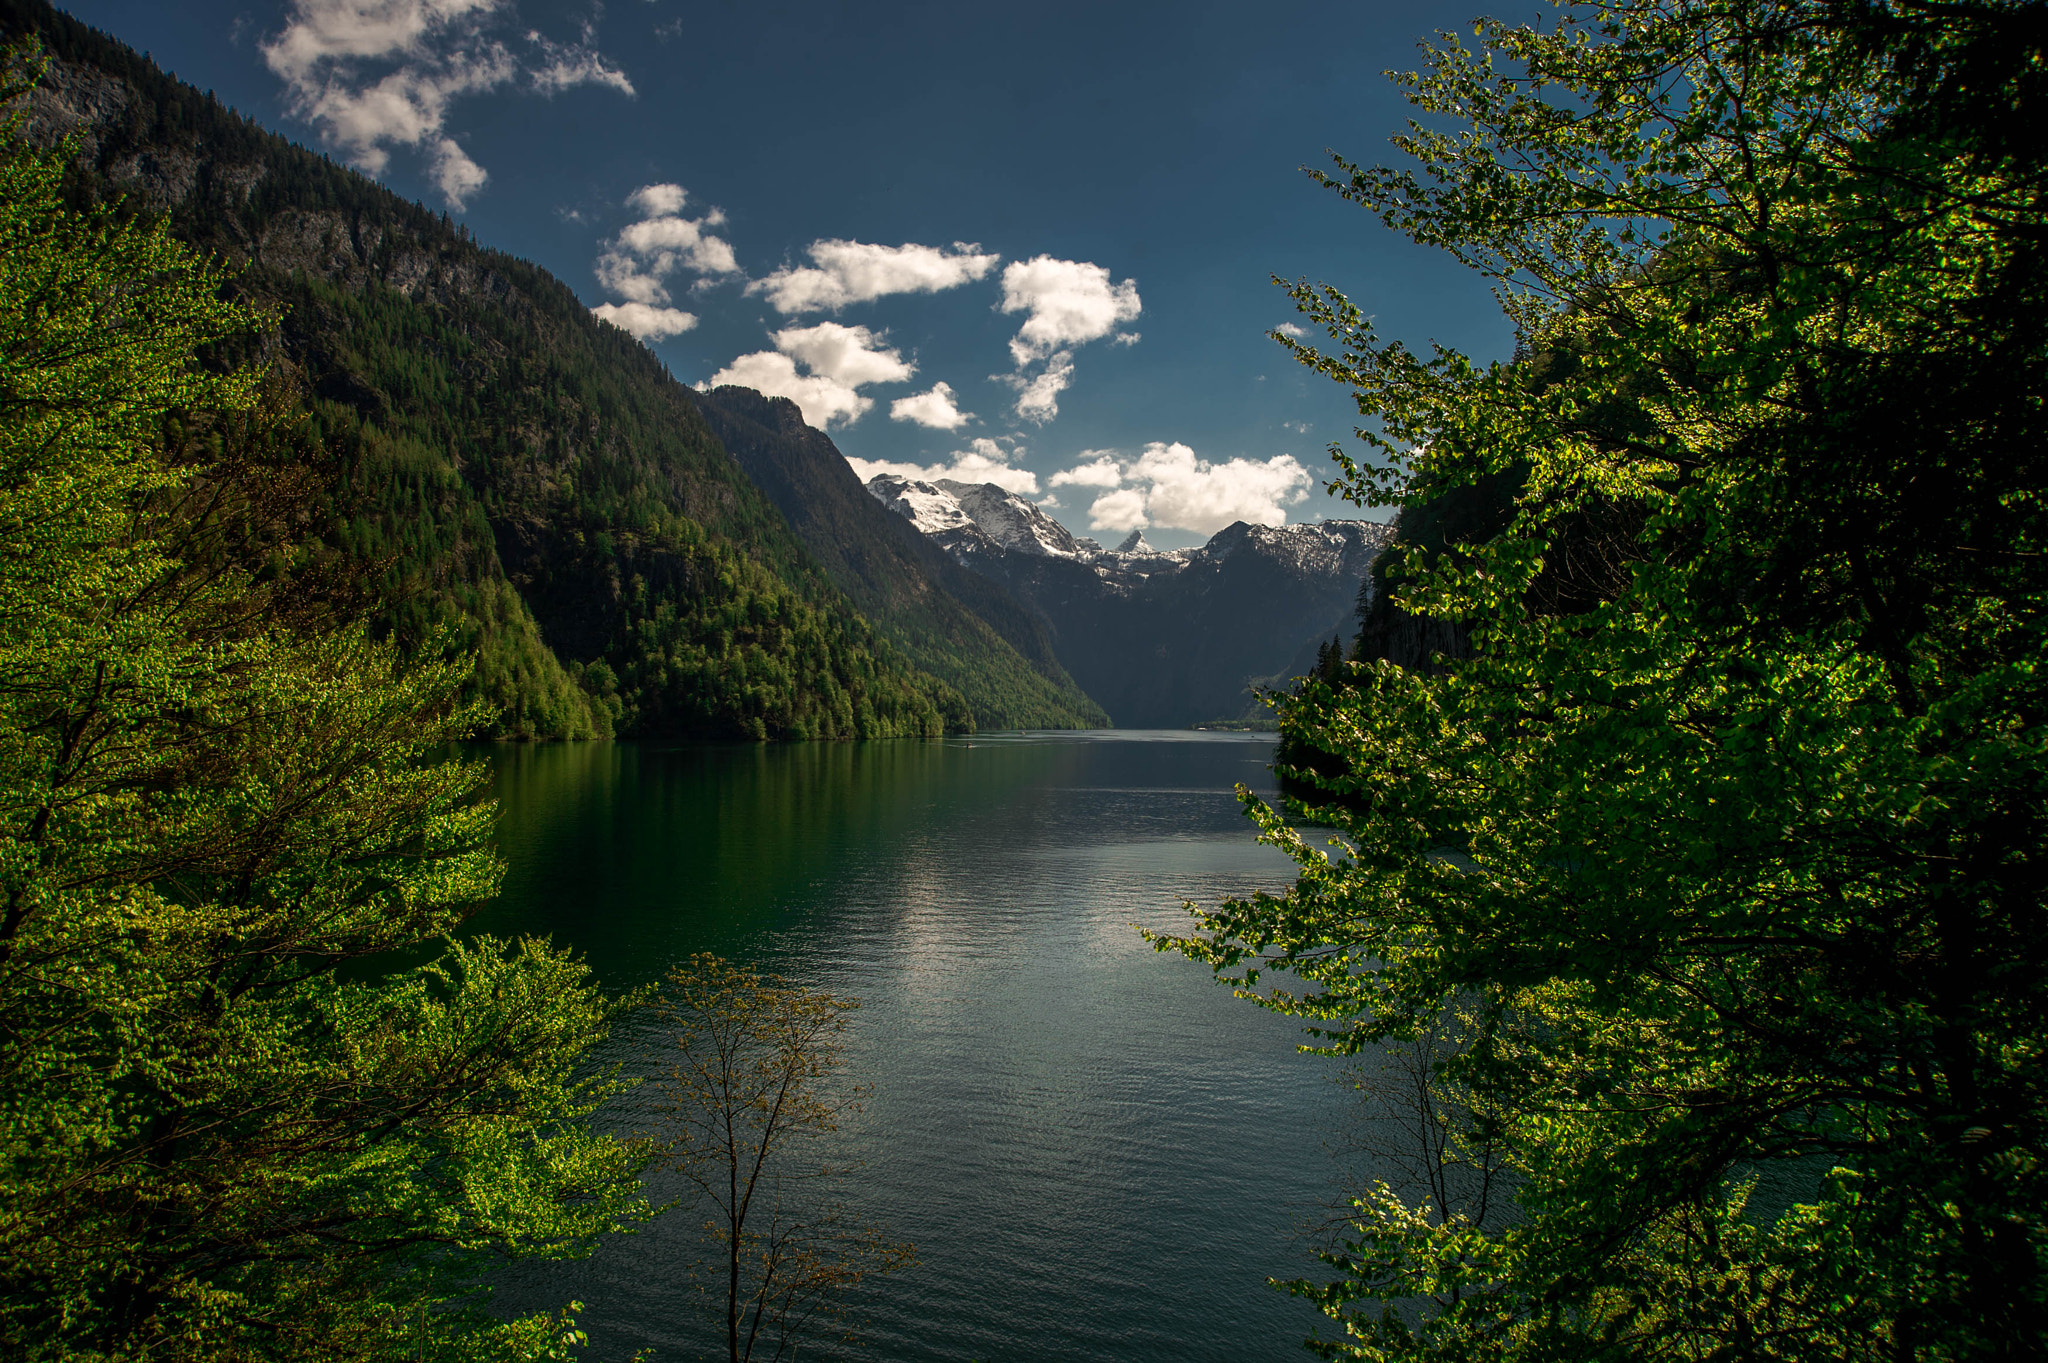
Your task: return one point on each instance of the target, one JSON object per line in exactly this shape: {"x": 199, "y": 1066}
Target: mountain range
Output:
{"x": 624, "y": 555}
{"x": 1161, "y": 639}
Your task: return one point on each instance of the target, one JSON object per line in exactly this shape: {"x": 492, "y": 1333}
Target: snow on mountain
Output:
{"x": 970, "y": 519}
{"x": 1158, "y": 639}
{"x": 924, "y": 506}
{"x": 1317, "y": 549}
{"x": 1012, "y": 522}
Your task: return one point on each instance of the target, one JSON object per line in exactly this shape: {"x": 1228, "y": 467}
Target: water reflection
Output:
{"x": 1099, "y": 1153}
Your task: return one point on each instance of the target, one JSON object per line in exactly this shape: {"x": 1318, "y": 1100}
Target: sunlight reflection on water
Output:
{"x": 1099, "y": 1153}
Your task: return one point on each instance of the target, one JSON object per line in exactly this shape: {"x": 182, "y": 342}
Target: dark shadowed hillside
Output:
{"x": 1160, "y": 639}
{"x": 955, "y": 624}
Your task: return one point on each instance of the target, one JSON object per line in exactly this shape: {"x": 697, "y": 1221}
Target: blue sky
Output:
{"x": 1030, "y": 244}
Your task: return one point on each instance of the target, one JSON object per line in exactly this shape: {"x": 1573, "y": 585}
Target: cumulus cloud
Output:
{"x": 939, "y": 409}
{"x": 1067, "y": 303}
{"x": 983, "y": 461}
{"x": 825, "y": 401}
{"x": 1192, "y": 494}
{"x": 658, "y": 201}
{"x": 636, "y": 263}
{"x": 1120, "y": 510}
{"x": 1102, "y": 471}
{"x": 845, "y": 272}
{"x": 837, "y": 360}
{"x": 851, "y": 355}
{"x": 1169, "y": 487}
{"x": 647, "y": 322}
{"x": 371, "y": 75}
{"x": 1038, "y": 395}
{"x": 1292, "y": 329}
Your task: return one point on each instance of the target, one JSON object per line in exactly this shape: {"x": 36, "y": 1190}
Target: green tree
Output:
{"x": 221, "y": 1139}
{"x": 1721, "y": 856}
{"x": 749, "y": 1092}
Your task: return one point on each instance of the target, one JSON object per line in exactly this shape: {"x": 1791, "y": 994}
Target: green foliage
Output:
{"x": 1721, "y": 855}
{"x": 221, "y": 1140}
{"x": 998, "y": 689}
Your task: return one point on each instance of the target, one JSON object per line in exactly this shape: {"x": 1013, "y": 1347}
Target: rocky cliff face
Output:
{"x": 1160, "y": 639}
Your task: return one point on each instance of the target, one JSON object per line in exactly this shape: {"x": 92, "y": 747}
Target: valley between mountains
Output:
{"x": 622, "y": 555}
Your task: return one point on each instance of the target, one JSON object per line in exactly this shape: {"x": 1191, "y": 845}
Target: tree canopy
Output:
{"x": 236, "y": 1125}
{"x": 1719, "y": 860}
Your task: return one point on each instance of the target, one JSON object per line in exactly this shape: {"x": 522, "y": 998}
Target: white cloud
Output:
{"x": 1099, "y": 472}
{"x": 667, "y": 242}
{"x": 1038, "y": 396}
{"x": 1128, "y": 337}
{"x": 1292, "y": 329}
{"x": 856, "y": 272}
{"x": 647, "y": 322}
{"x": 331, "y": 30}
{"x": 1120, "y": 510}
{"x": 1069, "y": 302}
{"x": 983, "y": 461}
{"x": 851, "y": 355}
{"x": 840, "y": 359}
{"x": 658, "y": 201}
{"x": 568, "y": 65}
{"x": 635, "y": 264}
{"x": 375, "y": 74}
{"x": 455, "y": 174}
{"x": 1169, "y": 487}
{"x": 825, "y": 401}
{"x": 939, "y": 409}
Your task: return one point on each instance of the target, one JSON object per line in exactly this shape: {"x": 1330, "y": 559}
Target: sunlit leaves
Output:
{"x": 1727, "y": 838}
{"x": 226, "y": 1135}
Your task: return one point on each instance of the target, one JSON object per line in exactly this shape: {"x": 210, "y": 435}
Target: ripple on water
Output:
{"x": 1099, "y": 1153}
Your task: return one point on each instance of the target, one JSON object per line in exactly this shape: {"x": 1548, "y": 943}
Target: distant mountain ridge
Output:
{"x": 1160, "y": 639}
{"x": 532, "y": 476}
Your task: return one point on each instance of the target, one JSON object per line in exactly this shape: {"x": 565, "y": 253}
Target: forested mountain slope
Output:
{"x": 955, "y": 624}
{"x": 527, "y": 474}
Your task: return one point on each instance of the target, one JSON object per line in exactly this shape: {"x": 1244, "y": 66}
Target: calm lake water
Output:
{"x": 1098, "y": 1152}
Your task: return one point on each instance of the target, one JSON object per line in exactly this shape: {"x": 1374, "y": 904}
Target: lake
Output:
{"x": 1099, "y": 1153}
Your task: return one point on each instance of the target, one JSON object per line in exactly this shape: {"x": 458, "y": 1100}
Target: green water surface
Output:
{"x": 1098, "y": 1152}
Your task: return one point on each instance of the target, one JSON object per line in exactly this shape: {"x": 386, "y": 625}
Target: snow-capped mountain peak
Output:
{"x": 981, "y": 519}
{"x": 924, "y": 506}
{"x": 1012, "y": 522}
